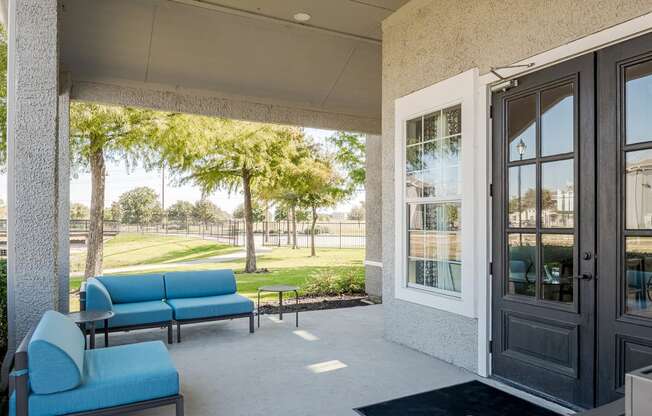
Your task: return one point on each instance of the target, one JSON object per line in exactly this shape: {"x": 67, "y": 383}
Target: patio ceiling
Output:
{"x": 243, "y": 48}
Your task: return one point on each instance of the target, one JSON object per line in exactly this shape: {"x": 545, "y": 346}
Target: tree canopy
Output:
{"x": 140, "y": 206}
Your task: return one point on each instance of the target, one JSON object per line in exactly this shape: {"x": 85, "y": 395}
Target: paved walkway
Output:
{"x": 335, "y": 361}
{"x": 223, "y": 258}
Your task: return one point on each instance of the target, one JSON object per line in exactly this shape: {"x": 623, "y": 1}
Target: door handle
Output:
{"x": 584, "y": 276}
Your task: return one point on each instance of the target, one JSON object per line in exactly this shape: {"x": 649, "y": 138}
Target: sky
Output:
{"x": 119, "y": 181}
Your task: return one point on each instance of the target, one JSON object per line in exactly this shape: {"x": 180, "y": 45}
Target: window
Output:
{"x": 433, "y": 198}
{"x": 440, "y": 195}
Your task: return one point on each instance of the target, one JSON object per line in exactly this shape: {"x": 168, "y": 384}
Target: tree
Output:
{"x": 79, "y": 211}
{"x": 116, "y": 211}
{"x": 357, "y": 213}
{"x": 206, "y": 212}
{"x": 98, "y": 133}
{"x": 322, "y": 187}
{"x": 180, "y": 211}
{"x": 349, "y": 157}
{"x": 140, "y": 206}
{"x": 231, "y": 155}
{"x": 3, "y": 96}
{"x": 258, "y": 212}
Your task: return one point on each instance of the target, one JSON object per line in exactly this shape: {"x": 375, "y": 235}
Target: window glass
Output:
{"x": 558, "y": 267}
{"x": 522, "y": 256}
{"x": 638, "y": 102}
{"x": 433, "y": 191}
{"x": 638, "y": 275}
{"x": 638, "y": 189}
{"x": 557, "y": 194}
{"x": 522, "y": 196}
{"x": 522, "y": 128}
{"x": 557, "y": 115}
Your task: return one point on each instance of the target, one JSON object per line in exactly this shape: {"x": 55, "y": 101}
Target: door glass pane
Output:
{"x": 638, "y": 102}
{"x": 557, "y": 194}
{"x": 522, "y": 196}
{"x": 638, "y": 275}
{"x": 638, "y": 189}
{"x": 521, "y": 128}
{"x": 522, "y": 259}
{"x": 557, "y": 120}
{"x": 557, "y": 273}
{"x": 413, "y": 133}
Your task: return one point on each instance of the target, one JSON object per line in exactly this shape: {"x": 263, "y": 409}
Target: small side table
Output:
{"x": 280, "y": 289}
{"x": 86, "y": 321}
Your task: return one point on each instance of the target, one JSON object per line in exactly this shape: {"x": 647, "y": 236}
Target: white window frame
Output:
{"x": 459, "y": 90}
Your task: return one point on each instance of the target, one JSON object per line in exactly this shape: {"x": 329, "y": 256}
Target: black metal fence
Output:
{"x": 272, "y": 233}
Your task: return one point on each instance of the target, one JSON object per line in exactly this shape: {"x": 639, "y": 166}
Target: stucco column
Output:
{"x": 34, "y": 228}
{"x": 373, "y": 217}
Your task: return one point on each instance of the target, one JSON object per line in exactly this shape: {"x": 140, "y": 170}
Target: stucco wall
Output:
{"x": 428, "y": 41}
{"x": 373, "y": 216}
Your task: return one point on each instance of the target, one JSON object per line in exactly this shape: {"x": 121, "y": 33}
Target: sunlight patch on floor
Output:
{"x": 326, "y": 366}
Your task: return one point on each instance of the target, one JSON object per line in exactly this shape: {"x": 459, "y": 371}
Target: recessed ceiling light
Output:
{"x": 302, "y": 17}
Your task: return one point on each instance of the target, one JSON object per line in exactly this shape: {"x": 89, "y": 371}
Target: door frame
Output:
{"x": 483, "y": 128}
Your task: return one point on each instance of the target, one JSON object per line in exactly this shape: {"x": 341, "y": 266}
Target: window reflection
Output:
{"x": 638, "y": 189}
{"x": 557, "y": 115}
{"x": 521, "y": 128}
{"x": 522, "y": 257}
{"x": 557, "y": 273}
{"x": 435, "y": 253}
{"x": 557, "y": 194}
{"x": 638, "y": 102}
{"x": 638, "y": 275}
{"x": 522, "y": 196}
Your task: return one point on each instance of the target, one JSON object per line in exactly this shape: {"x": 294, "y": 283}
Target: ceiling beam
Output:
{"x": 260, "y": 16}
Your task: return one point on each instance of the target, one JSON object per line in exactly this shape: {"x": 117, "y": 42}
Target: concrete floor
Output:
{"x": 335, "y": 361}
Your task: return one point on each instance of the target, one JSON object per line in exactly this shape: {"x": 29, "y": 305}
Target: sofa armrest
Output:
{"x": 97, "y": 296}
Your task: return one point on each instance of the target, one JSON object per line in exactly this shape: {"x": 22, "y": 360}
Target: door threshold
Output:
{"x": 533, "y": 396}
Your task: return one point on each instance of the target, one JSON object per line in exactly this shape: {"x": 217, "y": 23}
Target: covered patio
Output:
{"x": 335, "y": 361}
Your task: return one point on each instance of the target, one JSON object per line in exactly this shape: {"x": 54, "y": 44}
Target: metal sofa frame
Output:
{"x": 249, "y": 315}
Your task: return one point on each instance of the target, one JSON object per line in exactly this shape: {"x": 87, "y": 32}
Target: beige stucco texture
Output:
{"x": 427, "y": 41}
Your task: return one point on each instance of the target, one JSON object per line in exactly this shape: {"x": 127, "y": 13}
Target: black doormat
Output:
{"x": 467, "y": 399}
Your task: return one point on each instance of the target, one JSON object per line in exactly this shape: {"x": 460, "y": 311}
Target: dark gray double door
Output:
{"x": 572, "y": 225}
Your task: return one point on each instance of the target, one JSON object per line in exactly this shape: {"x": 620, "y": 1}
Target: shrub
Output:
{"x": 334, "y": 282}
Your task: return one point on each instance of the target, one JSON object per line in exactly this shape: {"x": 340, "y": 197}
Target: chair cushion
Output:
{"x": 210, "y": 306}
{"x": 134, "y": 288}
{"x": 199, "y": 284}
{"x": 56, "y": 354}
{"x": 139, "y": 313}
{"x": 113, "y": 376}
{"x": 97, "y": 296}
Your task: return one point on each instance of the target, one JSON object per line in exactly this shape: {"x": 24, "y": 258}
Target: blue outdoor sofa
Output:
{"x": 54, "y": 375}
{"x": 157, "y": 300}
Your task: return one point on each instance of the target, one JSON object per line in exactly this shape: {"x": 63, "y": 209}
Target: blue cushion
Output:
{"x": 97, "y": 297}
{"x": 134, "y": 288}
{"x": 112, "y": 377}
{"x": 139, "y": 313}
{"x": 199, "y": 284}
{"x": 210, "y": 306}
{"x": 56, "y": 354}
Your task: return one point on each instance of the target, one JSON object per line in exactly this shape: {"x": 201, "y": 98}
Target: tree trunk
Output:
{"x": 95, "y": 238}
{"x": 287, "y": 223}
{"x": 313, "y": 252}
{"x": 266, "y": 224}
{"x": 294, "y": 227}
{"x": 250, "y": 264}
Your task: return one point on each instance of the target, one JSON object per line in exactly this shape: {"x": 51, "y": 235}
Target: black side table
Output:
{"x": 86, "y": 321}
{"x": 280, "y": 289}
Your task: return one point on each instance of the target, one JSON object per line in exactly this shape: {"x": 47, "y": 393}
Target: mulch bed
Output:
{"x": 315, "y": 304}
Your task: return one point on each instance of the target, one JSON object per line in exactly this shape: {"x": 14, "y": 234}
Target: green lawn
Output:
{"x": 286, "y": 266}
{"x": 130, "y": 249}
